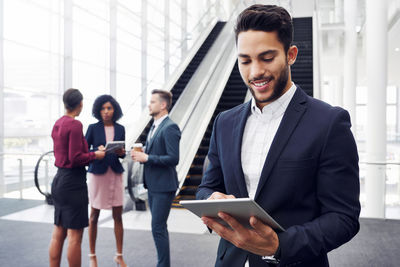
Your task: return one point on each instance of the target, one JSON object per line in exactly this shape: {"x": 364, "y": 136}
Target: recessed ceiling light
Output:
{"x": 397, "y": 49}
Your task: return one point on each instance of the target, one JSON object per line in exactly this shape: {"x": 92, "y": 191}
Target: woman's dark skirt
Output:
{"x": 70, "y": 196}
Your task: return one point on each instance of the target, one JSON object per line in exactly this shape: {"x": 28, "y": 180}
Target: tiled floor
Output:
{"x": 191, "y": 245}
{"x": 179, "y": 221}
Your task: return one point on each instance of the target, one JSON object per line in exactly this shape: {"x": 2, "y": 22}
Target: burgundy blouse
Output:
{"x": 70, "y": 146}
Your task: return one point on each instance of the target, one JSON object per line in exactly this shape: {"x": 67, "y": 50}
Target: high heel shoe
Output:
{"x": 119, "y": 260}
{"x": 93, "y": 260}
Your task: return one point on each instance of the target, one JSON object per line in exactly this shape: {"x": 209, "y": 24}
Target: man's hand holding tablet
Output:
{"x": 255, "y": 236}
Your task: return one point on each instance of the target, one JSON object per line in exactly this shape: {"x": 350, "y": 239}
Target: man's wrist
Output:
{"x": 277, "y": 254}
{"x": 273, "y": 259}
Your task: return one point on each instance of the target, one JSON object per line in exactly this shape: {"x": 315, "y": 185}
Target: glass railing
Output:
{"x": 20, "y": 167}
{"x": 392, "y": 188}
{"x": 18, "y": 175}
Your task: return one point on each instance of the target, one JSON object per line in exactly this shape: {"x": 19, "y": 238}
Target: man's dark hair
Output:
{"x": 165, "y": 96}
{"x": 267, "y": 18}
{"x": 72, "y": 98}
{"x": 98, "y": 104}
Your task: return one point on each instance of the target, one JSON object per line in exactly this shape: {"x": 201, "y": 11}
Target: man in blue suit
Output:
{"x": 293, "y": 154}
{"x": 160, "y": 158}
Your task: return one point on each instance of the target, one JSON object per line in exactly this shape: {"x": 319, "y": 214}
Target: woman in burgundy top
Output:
{"x": 69, "y": 190}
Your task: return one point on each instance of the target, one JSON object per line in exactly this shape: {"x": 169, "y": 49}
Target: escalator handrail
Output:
{"x": 196, "y": 127}
{"x": 36, "y": 178}
{"x": 47, "y": 195}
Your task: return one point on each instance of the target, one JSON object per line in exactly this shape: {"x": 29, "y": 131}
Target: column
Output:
{"x": 376, "y": 51}
{"x": 144, "y": 54}
{"x": 339, "y": 10}
{"x": 350, "y": 59}
{"x": 184, "y": 14}
{"x": 67, "y": 44}
{"x": 210, "y": 10}
{"x": 397, "y": 113}
{"x": 339, "y": 90}
{"x": 113, "y": 48}
{"x": 2, "y": 182}
{"x": 166, "y": 40}
{"x": 227, "y": 10}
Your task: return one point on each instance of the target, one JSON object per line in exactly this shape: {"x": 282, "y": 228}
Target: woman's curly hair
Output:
{"x": 99, "y": 102}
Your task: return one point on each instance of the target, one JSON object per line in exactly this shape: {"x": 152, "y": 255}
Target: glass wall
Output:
{"x": 52, "y": 44}
{"x": 332, "y": 56}
{"x": 33, "y": 60}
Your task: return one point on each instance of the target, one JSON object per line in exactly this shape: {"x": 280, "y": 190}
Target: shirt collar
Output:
{"x": 157, "y": 122}
{"x": 277, "y": 107}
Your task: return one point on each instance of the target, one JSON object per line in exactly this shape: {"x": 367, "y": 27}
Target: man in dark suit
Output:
{"x": 293, "y": 154}
{"x": 160, "y": 178}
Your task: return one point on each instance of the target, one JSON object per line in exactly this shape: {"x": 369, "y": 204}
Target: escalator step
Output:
{"x": 199, "y": 160}
{"x": 193, "y": 180}
{"x": 196, "y": 169}
{"x": 188, "y": 190}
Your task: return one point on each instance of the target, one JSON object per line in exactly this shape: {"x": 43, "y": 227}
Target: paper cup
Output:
{"x": 138, "y": 147}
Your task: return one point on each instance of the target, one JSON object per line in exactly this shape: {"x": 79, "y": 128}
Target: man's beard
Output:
{"x": 277, "y": 90}
{"x": 153, "y": 114}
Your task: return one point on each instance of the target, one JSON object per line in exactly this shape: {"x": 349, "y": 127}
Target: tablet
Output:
{"x": 239, "y": 208}
{"x": 114, "y": 145}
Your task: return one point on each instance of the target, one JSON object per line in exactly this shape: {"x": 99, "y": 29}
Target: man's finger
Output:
{"x": 261, "y": 229}
{"x": 218, "y": 228}
{"x": 217, "y": 195}
{"x": 236, "y": 226}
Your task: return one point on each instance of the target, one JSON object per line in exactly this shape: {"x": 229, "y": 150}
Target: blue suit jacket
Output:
{"x": 163, "y": 150}
{"x": 96, "y": 136}
{"x": 309, "y": 183}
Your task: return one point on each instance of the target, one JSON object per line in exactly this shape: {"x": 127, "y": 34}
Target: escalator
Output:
{"x": 176, "y": 91}
{"x": 302, "y": 70}
{"x": 233, "y": 95}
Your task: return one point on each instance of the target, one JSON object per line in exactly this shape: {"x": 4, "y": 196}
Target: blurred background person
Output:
{"x": 106, "y": 188}
{"x": 69, "y": 189}
{"x": 160, "y": 158}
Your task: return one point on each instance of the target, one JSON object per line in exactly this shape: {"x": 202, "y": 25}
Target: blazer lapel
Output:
{"x": 291, "y": 118}
{"x": 117, "y": 132}
{"x": 158, "y": 130}
{"x": 102, "y": 132}
{"x": 238, "y": 130}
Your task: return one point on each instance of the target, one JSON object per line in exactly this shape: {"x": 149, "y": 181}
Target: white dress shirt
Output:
{"x": 259, "y": 132}
{"x": 157, "y": 123}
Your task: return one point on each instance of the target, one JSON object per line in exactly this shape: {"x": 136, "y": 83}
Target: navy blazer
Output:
{"x": 163, "y": 150}
{"x": 96, "y": 136}
{"x": 309, "y": 183}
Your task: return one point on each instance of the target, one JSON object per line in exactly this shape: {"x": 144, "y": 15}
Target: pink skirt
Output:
{"x": 106, "y": 190}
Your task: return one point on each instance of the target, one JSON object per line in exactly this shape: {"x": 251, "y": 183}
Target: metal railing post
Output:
{"x": 21, "y": 178}
{"x": 46, "y": 175}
